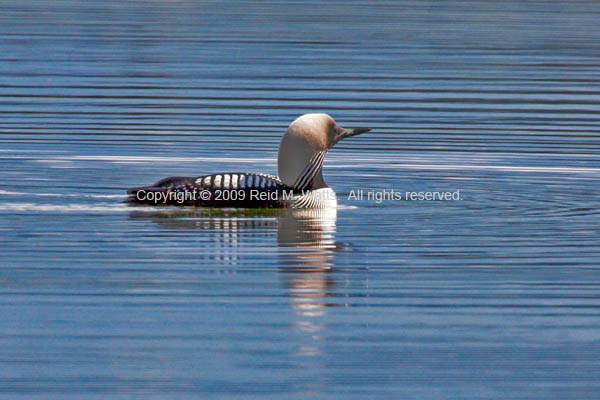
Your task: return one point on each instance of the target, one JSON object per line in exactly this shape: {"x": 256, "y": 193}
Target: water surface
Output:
{"x": 492, "y": 296}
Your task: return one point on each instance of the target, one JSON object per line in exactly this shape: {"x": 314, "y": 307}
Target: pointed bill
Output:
{"x": 349, "y": 132}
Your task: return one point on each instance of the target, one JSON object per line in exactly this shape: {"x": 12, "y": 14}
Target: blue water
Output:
{"x": 495, "y": 295}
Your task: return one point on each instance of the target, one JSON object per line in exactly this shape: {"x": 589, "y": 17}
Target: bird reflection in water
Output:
{"x": 306, "y": 272}
{"x": 306, "y": 253}
{"x": 306, "y": 268}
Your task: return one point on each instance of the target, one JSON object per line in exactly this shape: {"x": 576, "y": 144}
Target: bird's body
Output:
{"x": 300, "y": 183}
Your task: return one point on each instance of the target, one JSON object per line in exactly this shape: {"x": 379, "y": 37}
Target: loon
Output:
{"x": 300, "y": 183}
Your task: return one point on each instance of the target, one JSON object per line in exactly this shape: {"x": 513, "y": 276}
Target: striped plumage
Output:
{"x": 300, "y": 183}
{"x": 314, "y": 167}
{"x": 235, "y": 189}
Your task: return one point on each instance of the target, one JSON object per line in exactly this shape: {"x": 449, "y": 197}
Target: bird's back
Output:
{"x": 234, "y": 189}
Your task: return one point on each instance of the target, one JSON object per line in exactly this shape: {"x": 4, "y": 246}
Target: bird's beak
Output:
{"x": 349, "y": 132}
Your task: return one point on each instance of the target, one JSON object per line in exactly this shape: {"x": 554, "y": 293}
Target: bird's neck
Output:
{"x": 318, "y": 182}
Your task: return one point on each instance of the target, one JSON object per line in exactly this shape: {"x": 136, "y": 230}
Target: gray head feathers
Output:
{"x": 303, "y": 148}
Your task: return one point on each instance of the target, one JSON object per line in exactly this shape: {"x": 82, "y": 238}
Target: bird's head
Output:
{"x": 303, "y": 148}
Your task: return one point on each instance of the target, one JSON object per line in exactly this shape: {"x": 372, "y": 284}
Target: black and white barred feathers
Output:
{"x": 236, "y": 189}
